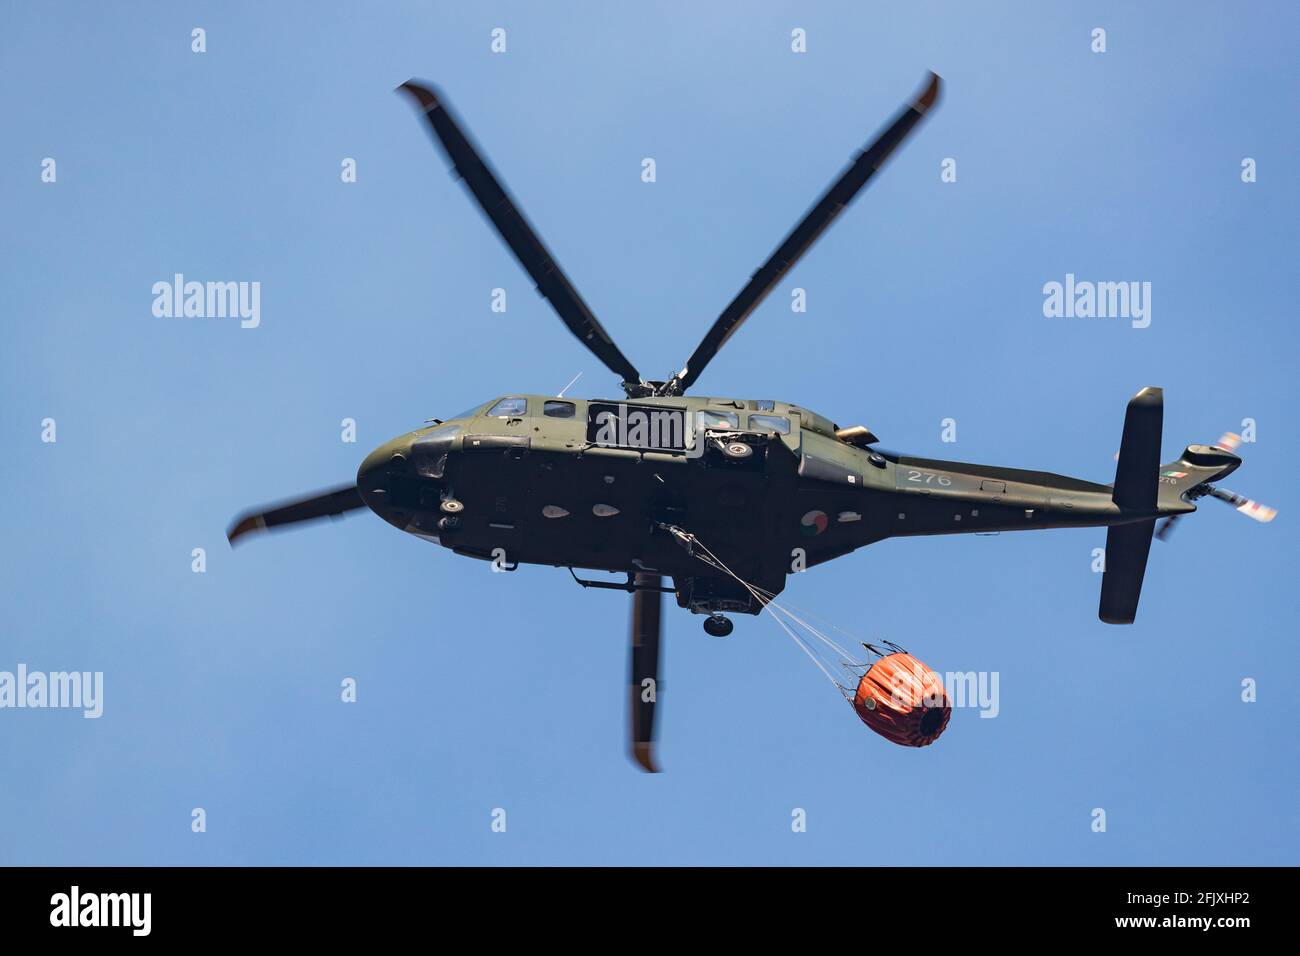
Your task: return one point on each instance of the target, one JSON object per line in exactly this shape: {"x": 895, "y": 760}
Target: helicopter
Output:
{"x": 724, "y": 497}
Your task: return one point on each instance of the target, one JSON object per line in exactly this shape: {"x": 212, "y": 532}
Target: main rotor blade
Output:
{"x": 326, "y": 504}
{"x": 496, "y": 203}
{"x": 801, "y": 239}
{"x": 646, "y": 607}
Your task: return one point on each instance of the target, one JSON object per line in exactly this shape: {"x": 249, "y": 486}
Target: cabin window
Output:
{"x": 769, "y": 423}
{"x": 508, "y": 408}
{"x": 558, "y": 409}
{"x": 711, "y": 419}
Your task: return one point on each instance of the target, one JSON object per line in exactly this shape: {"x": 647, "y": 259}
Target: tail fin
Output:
{"x": 1139, "y": 453}
{"x": 1136, "y": 490}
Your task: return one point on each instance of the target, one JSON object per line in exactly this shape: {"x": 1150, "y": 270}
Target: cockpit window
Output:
{"x": 467, "y": 413}
{"x": 769, "y": 423}
{"x": 558, "y": 409}
{"x": 444, "y": 431}
{"x": 711, "y": 419}
{"x": 765, "y": 405}
{"x": 508, "y": 407}
{"x": 437, "y": 440}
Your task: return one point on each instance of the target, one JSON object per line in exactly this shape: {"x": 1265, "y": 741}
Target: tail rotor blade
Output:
{"x": 1228, "y": 441}
{"x": 1248, "y": 507}
{"x": 1165, "y": 527}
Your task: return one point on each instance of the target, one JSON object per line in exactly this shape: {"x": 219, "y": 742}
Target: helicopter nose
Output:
{"x": 380, "y": 476}
{"x": 389, "y": 457}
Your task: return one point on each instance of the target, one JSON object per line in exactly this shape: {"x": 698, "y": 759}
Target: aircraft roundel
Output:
{"x": 814, "y": 523}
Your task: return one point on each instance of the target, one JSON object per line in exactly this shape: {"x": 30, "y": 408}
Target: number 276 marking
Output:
{"x": 928, "y": 478}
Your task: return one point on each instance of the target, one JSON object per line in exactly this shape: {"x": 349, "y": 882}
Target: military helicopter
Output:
{"x": 723, "y": 496}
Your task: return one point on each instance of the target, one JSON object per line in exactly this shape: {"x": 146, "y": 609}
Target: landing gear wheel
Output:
{"x": 715, "y": 625}
{"x": 451, "y": 506}
{"x": 737, "y": 449}
{"x": 448, "y": 523}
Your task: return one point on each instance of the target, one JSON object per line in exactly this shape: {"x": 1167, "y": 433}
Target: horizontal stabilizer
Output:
{"x": 1127, "y": 547}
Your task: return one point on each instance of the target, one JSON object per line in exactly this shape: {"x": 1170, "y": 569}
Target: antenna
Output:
{"x": 569, "y": 386}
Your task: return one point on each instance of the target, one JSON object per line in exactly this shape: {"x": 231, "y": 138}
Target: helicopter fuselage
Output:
{"x": 726, "y": 497}
{"x": 769, "y": 488}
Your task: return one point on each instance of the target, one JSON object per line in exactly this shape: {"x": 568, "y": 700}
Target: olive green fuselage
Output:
{"x": 574, "y": 483}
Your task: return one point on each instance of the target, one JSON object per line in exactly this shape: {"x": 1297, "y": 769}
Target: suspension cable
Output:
{"x": 767, "y": 601}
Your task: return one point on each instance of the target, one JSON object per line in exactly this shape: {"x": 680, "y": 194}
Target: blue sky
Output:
{"x": 480, "y": 690}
